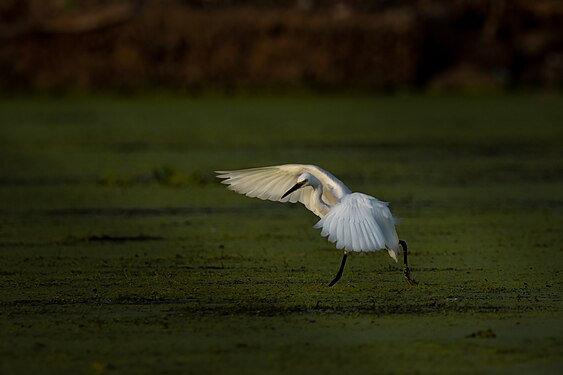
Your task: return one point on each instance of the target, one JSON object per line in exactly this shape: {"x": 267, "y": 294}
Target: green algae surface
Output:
{"x": 121, "y": 253}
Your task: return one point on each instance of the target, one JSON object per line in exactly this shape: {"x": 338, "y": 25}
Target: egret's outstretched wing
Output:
{"x": 270, "y": 183}
{"x": 361, "y": 223}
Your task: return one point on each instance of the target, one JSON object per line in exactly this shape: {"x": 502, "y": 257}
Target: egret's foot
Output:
{"x": 407, "y": 273}
{"x": 406, "y": 270}
{"x": 335, "y": 280}
{"x": 340, "y": 270}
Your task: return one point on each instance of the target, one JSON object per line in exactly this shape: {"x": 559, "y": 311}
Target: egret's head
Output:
{"x": 303, "y": 180}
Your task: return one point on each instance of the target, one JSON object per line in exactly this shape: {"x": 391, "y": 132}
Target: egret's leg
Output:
{"x": 406, "y": 270}
{"x": 339, "y": 274}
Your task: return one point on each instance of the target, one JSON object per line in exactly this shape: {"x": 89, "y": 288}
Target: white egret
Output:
{"x": 354, "y": 221}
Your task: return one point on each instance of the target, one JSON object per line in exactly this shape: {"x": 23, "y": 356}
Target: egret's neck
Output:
{"x": 320, "y": 204}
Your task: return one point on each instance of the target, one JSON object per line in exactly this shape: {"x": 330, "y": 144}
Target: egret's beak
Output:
{"x": 295, "y": 187}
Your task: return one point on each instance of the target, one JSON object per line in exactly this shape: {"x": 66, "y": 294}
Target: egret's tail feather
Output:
{"x": 360, "y": 223}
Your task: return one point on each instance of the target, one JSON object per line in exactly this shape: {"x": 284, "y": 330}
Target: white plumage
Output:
{"x": 354, "y": 221}
{"x": 360, "y": 223}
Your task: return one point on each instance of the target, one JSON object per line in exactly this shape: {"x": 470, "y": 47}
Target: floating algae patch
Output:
{"x": 112, "y": 239}
{"x": 162, "y": 270}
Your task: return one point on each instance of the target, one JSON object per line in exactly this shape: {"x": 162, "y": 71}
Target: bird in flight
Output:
{"x": 354, "y": 221}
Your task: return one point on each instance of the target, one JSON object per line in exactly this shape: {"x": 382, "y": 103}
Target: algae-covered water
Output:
{"x": 121, "y": 253}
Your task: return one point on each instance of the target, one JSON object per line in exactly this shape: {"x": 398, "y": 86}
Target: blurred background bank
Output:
{"x": 195, "y": 45}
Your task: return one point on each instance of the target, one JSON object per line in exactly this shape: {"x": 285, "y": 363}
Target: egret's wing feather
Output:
{"x": 360, "y": 223}
{"x": 264, "y": 183}
{"x": 269, "y": 183}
